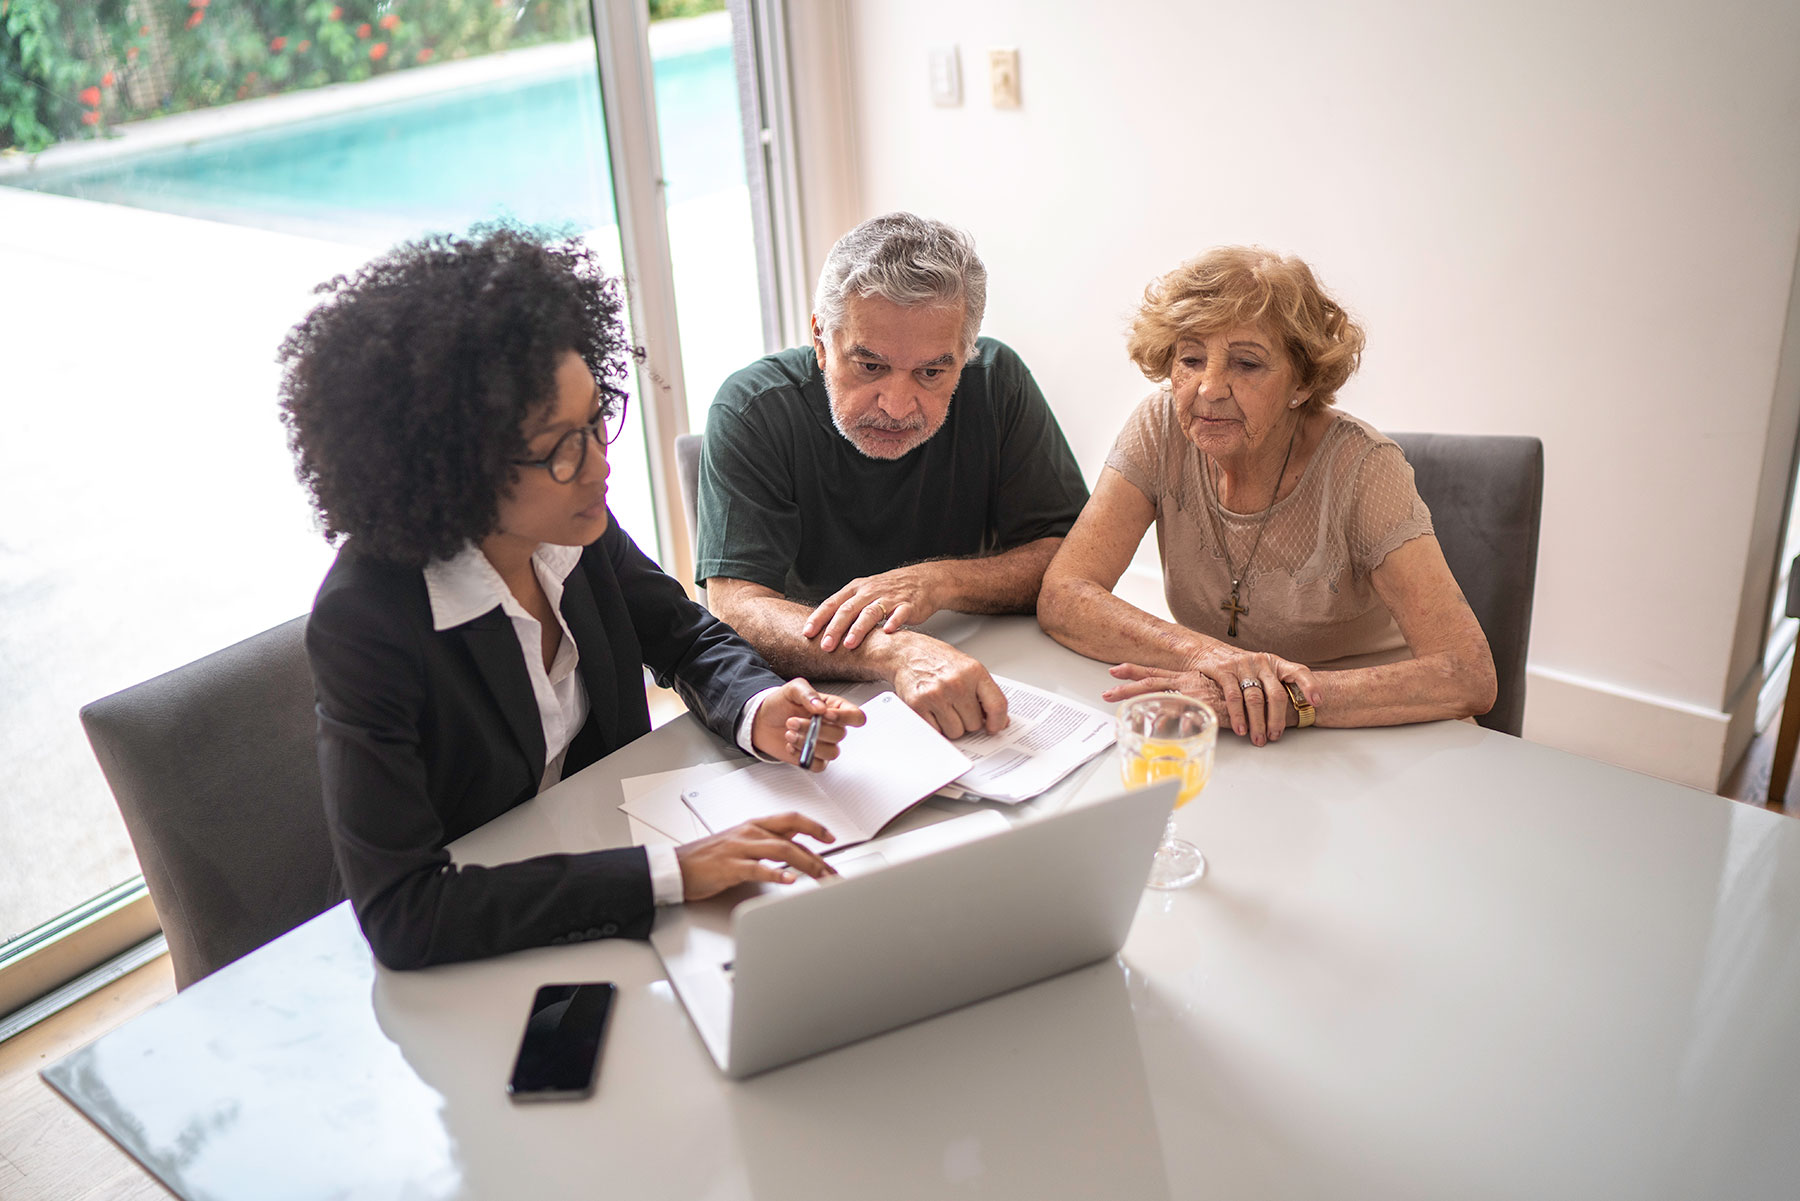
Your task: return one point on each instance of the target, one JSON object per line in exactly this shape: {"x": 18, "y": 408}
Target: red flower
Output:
{"x": 362, "y": 31}
{"x": 250, "y": 77}
{"x": 389, "y": 21}
{"x": 425, "y": 55}
{"x": 131, "y": 55}
{"x": 90, "y": 117}
{"x": 90, "y": 96}
{"x": 106, "y": 80}
{"x": 198, "y": 15}
{"x": 304, "y": 46}
{"x": 378, "y": 51}
{"x": 243, "y": 92}
{"x": 336, "y": 12}
{"x": 278, "y": 44}
{"x": 143, "y": 31}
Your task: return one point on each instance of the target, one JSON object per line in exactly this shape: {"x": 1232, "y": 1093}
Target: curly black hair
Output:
{"x": 406, "y": 388}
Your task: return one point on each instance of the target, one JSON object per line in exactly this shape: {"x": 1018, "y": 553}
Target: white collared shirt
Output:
{"x": 465, "y": 586}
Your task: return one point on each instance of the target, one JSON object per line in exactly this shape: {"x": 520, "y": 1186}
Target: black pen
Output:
{"x": 812, "y": 742}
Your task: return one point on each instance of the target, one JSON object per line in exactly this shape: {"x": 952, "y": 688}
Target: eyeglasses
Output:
{"x": 569, "y": 455}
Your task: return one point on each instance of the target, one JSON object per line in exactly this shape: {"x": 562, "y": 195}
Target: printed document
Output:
{"x": 1047, "y": 737}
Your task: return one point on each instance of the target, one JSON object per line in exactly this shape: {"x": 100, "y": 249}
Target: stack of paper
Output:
{"x": 885, "y": 767}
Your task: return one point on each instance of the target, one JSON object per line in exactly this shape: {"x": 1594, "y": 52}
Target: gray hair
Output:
{"x": 908, "y": 261}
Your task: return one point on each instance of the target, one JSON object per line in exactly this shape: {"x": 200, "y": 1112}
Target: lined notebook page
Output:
{"x": 886, "y": 766}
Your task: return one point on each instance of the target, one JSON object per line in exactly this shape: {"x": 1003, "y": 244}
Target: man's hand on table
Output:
{"x": 889, "y": 602}
{"x": 947, "y": 688}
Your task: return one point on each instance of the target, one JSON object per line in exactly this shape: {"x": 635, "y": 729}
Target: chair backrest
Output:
{"x": 1486, "y": 495}
{"x": 214, "y": 769}
{"x": 687, "y": 468}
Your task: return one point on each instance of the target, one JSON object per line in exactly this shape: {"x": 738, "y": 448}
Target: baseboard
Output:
{"x": 1677, "y": 741}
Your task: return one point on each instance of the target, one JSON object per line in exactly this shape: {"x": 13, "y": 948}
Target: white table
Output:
{"x": 1426, "y": 962}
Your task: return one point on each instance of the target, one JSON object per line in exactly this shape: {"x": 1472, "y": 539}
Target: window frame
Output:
{"x": 37, "y": 962}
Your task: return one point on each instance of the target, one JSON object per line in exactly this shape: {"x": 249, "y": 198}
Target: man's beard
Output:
{"x": 876, "y": 421}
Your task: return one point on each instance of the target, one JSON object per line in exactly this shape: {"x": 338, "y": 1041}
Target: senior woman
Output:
{"x": 1298, "y": 560}
{"x": 484, "y": 630}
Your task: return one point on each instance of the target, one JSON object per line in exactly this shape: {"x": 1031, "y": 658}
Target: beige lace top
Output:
{"x": 1307, "y": 590}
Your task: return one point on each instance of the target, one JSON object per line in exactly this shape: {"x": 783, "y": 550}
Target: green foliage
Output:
{"x": 47, "y": 73}
{"x": 71, "y": 68}
{"x": 662, "y": 10}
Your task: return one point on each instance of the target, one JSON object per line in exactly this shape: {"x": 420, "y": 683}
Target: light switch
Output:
{"x": 946, "y": 77}
{"x": 1003, "y": 77}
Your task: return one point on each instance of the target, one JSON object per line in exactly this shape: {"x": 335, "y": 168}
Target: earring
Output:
{"x": 1295, "y": 403}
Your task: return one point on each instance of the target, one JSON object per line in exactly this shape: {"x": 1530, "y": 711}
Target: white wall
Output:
{"x": 1574, "y": 222}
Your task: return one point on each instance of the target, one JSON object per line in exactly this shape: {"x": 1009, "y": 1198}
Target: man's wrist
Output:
{"x": 889, "y": 654}
{"x": 937, "y": 584}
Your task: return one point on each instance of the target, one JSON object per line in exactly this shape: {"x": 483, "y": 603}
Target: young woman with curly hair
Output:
{"x": 484, "y": 629}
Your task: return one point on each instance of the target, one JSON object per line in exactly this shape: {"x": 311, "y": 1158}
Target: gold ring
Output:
{"x": 875, "y": 604}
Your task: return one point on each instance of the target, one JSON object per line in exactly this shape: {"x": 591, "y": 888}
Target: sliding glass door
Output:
{"x": 184, "y": 173}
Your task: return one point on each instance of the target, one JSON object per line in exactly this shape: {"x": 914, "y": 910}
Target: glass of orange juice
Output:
{"x": 1168, "y": 736}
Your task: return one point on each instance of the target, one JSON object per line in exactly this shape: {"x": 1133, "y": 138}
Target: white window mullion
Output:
{"x": 760, "y": 42}
{"x": 621, "y": 32}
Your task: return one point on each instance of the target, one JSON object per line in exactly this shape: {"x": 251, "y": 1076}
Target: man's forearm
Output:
{"x": 772, "y": 624}
{"x": 1004, "y": 583}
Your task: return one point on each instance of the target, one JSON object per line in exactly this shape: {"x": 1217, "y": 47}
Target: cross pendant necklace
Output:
{"x": 1234, "y": 606}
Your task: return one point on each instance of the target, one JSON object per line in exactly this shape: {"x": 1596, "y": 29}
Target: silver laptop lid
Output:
{"x": 816, "y": 969}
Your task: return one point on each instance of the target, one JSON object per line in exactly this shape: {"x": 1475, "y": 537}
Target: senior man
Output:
{"x": 896, "y": 466}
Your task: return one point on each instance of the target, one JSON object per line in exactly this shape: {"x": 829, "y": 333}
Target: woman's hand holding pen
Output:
{"x": 781, "y": 723}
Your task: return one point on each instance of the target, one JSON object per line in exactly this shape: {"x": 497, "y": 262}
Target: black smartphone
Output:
{"x": 560, "y": 1053}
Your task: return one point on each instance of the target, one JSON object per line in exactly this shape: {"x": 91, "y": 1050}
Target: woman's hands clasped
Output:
{"x": 1245, "y": 687}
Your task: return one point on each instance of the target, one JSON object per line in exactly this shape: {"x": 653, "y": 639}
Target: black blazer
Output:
{"x": 425, "y": 735}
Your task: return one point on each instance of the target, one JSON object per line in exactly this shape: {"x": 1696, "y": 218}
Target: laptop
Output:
{"x": 912, "y": 928}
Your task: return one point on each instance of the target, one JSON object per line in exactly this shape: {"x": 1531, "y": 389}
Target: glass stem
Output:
{"x": 1168, "y": 838}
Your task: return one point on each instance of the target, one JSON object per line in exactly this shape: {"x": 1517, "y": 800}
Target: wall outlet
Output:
{"x": 946, "y": 77}
{"x": 1003, "y": 77}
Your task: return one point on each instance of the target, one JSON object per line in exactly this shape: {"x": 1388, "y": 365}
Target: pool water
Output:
{"x": 533, "y": 148}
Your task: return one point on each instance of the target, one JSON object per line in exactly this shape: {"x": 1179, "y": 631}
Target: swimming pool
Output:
{"x": 531, "y": 147}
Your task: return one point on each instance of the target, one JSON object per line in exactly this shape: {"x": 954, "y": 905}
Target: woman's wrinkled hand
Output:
{"x": 1218, "y": 677}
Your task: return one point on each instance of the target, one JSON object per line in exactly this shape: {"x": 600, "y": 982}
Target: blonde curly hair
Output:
{"x": 1233, "y": 286}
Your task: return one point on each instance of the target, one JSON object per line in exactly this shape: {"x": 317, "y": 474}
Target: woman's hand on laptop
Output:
{"x": 713, "y": 864}
{"x": 779, "y": 729}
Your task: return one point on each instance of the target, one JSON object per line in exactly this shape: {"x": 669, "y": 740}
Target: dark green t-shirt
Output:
{"x": 787, "y": 502}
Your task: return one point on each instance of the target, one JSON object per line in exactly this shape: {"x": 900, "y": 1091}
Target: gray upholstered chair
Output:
{"x": 214, "y": 769}
{"x": 1787, "y": 738}
{"x": 1486, "y": 495}
{"x": 687, "y": 468}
